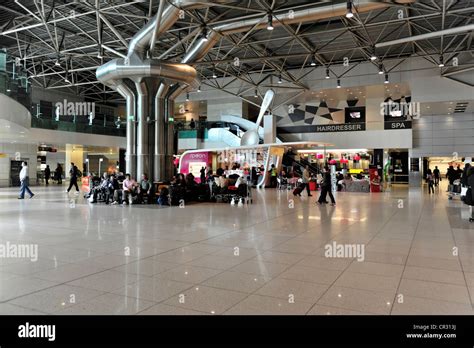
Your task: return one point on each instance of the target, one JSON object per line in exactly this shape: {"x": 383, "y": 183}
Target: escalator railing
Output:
{"x": 299, "y": 166}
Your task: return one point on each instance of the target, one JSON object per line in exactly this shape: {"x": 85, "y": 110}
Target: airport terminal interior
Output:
{"x": 223, "y": 157}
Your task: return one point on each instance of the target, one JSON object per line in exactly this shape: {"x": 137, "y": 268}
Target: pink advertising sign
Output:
{"x": 193, "y": 162}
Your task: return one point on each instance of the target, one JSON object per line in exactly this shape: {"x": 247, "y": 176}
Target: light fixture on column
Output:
{"x": 270, "y": 22}
{"x": 373, "y": 56}
{"x": 280, "y": 81}
{"x": 100, "y": 52}
{"x": 441, "y": 61}
{"x": 327, "y": 73}
{"x": 338, "y": 83}
{"x": 187, "y": 96}
{"x": 204, "y": 34}
{"x": 67, "y": 72}
{"x": 349, "y": 13}
{"x": 381, "y": 72}
{"x": 386, "y": 79}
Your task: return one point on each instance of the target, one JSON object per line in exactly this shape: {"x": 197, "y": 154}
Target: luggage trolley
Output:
{"x": 454, "y": 190}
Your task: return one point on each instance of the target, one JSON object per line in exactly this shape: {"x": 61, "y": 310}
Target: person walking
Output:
{"x": 47, "y": 174}
{"x": 202, "y": 175}
{"x": 470, "y": 185}
{"x": 451, "y": 176}
{"x": 24, "y": 181}
{"x": 437, "y": 176}
{"x": 273, "y": 176}
{"x": 306, "y": 178}
{"x": 58, "y": 173}
{"x": 73, "y": 172}
{"x": 430, "y": 181}
{"x": 326, "y": 188}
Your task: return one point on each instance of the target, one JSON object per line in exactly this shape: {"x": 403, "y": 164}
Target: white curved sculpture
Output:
{"x": 251, "y": 136}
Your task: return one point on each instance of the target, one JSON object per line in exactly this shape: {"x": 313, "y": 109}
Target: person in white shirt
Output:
{"x": 306, "y": 179}
{"x": 25, "y": 181}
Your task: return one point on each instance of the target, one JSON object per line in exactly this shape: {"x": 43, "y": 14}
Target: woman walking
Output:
{"x": 326, "y": 189}
{"x": 430, "y": 181}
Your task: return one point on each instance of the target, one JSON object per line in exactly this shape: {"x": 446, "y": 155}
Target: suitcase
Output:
{"x": 297, "y": 191}
{"x": 312, "y": 186}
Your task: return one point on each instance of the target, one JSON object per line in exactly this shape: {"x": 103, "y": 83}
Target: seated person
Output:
{"x": 222, "y": 182}
{"x": 129, "y": 188}
{"x": 190, "y": 183}
{"x": 145, "y": 190}
{"x": 112, "y": 187}
{"x": 101, "y": 188}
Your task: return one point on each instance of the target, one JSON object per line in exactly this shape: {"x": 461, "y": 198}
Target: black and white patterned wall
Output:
{"x": 315, "y": 113}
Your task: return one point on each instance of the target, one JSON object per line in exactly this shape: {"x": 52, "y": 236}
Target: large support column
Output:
{"x": 269, "y": 129}
{"x": 160, "y": 149}
{"x": 75, "y": 154}
{"x": 143, "y": 161}
{"x": 130, "y": 157}
{"x": 169, "y": 133}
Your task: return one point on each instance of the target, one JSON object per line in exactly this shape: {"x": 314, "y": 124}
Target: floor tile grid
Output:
{"x": 409, "y": 251}
{"x": 227, "y": 270}
{"x": 114, "y": 267}
{"x": 291, "y": 265}
{"x": 433, "y": 281}
{"x": 347, "y": 267}
{"x": 462, "y": 269}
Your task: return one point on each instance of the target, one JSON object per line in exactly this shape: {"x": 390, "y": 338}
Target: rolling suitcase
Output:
{"x": 297, "y": 191}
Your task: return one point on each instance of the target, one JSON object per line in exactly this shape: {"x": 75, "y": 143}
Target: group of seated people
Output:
{"x": 120, "y": 189}
{"x": 346, "y": 182}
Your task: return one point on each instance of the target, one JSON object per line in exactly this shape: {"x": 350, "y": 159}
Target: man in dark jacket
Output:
{"x": 47, "y": 174}
{"x": 326, "y": 188}
{"x": 464, "y": 175}
{"x": 470, "y": 184}
{"x": 73, "y": 172}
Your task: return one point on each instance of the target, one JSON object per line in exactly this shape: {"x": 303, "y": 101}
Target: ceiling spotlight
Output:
{"x": 187, "y": 96}
{"x": 441, "y": 61}
{"x": 338, "y": 83}
{"x": 373, "y": 57}
{"x": 256, "y": 93}
{"x": 349, "y": 13}
{"x": 270, "y": 22}
{"x": 313, "y": 62}
{"x": 199, "y": 89}
{"x": 386, "y": 79}
{"x": 204, "y": 34}
{"x": 280, "y": 80}
{"x": 381, "y": 69}
{"x": 57, "y": 62}
{"x": 66, "y": 80}
{"x": 9, "y": 90}
{"x": 214, "y": 75}
{"x": 327, "y": 73}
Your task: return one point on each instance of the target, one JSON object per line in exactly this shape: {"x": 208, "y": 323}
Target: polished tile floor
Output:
{"x": 264, "y": 258}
